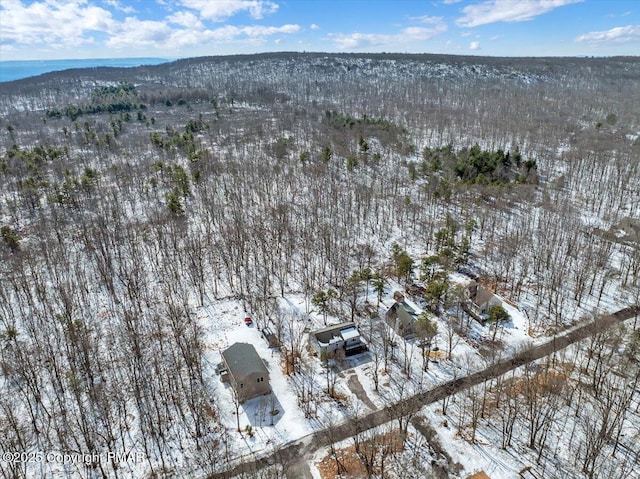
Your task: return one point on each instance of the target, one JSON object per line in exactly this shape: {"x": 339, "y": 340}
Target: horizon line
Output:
{"x": 305, "y": 52}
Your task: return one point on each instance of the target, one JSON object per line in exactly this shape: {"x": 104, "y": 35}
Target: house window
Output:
{"x": 241, "y": 385}
{"x": 260, "y": 380}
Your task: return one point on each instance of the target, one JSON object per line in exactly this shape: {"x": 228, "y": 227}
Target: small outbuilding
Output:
{"x": 247, "y": 372}
{"x": 270, "y": 337}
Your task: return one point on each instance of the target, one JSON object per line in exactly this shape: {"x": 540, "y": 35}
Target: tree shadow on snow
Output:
{"x": 263, "y": 411}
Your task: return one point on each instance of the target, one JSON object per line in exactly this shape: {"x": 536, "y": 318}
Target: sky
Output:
{"x": 78, "y": 29}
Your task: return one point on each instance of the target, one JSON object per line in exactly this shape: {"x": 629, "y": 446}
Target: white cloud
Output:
{"x": 52, "y": 22}
{"x": 118, "y": 6}
{"x": 613, "y": 15}
{"x": 419, "y": 33}
{"x": 615, "y": 35}
{"x": 474, "y": 46}
{"x": 260, "y": 30}
{"x": 427, "y": 19}
{"x": 448, "y": 2}
{"x": 492, "y": 11}
{"x": 66, "y": 24}
{"x": 186, "y": 19}
{"x": 219, "y": 10}
{"x": 135, "y": 33}
{"x": 314, "y": 26}
{"x": 359, "y": 40}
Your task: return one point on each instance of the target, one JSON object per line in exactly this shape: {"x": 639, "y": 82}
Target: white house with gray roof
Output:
{"x": 248, "y": 374}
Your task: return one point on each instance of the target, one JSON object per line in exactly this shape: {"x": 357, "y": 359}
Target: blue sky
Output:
{"x": 75, "y": 29}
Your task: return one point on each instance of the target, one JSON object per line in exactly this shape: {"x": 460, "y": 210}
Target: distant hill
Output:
{"x": 16, "y": 70}
{"x": 306, "y": 77}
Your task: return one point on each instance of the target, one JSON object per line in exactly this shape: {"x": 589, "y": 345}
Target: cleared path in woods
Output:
{"x": 295, "y": 455}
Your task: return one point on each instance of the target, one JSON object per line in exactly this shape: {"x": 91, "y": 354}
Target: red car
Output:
{"x": 248, "y": 321}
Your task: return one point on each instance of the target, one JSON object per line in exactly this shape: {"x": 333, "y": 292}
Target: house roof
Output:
{"x": 243, "y": 360}
{"x": 334, "y": 332}
{"x": 483, "y": 295}
{"x": 408, "y": 308}
{"x": 350, "y": 333}
{"x": 402, "y": 311}
{"x": 479, "y": 475}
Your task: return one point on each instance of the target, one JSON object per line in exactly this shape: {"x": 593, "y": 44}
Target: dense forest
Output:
{"x": 129, "y": 198}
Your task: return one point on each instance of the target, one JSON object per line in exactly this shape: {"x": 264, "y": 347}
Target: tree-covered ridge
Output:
{"x": 47, "y": 172}
{"x": 477, "y": 166}
{"x": 74, "y": 111}
{"x": 343, "y": 120}
{"x": 121, "y": 90}
{"x": 19, "y": 161}
{"x": 366, "y": 124}
{"x": 359, "y": 129}
{"x": 105, "y": 99}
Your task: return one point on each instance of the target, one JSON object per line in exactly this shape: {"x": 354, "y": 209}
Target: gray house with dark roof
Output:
{"x": 339, "y": 337}
{"x": 248, "y": 374}
{"x": 401, "y": 317}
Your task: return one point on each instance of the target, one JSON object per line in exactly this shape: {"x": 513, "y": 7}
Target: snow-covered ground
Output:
{"x": 269, "y": 422}
{"x": 273, "y": 419}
